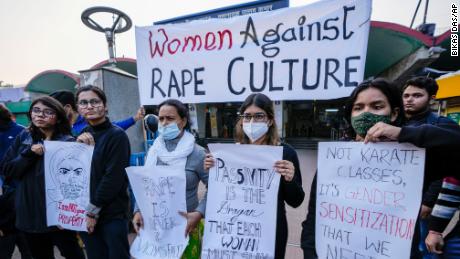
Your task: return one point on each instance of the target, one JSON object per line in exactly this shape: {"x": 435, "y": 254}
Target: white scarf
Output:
{"x": 179, "y": 154}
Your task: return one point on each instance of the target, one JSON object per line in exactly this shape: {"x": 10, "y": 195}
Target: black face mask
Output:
{"x": 363, "y": 122}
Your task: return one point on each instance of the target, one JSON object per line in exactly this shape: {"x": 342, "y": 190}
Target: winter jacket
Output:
{"x": 291, "y": 193}
{"x": 109, "y": 182}
{"x": 27, "y": 169}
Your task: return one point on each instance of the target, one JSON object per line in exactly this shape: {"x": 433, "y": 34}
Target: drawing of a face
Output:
{"x": 71, "y": 178}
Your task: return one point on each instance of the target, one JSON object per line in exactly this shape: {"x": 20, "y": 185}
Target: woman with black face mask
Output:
{"x": 257, "y": 126}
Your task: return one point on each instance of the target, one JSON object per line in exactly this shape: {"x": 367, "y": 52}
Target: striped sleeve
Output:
{"x": 447, "y": 204}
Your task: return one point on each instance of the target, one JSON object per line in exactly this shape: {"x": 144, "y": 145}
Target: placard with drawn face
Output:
{"x": 67, "y": 179}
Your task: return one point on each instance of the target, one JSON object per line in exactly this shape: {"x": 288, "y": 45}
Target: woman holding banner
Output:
{"x": 24, "y": 162}
{"x": 174, "y": 145}
{"x": 257, "y": 126}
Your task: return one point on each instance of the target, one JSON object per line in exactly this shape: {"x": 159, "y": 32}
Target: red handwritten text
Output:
{"x": 364, "y": 218}
{"x": 71, "y": 220}
{"x": 71, "y": 207}
{"x": 210, "y": 41}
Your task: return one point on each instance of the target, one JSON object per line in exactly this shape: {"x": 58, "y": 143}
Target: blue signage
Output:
{"x": 230, "y": 11}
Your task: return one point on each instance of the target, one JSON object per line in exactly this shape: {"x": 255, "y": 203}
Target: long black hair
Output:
{"x": 62, "y": 126}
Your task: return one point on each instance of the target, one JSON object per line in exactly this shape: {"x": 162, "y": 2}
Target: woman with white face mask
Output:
{"x": 257, "y": 126}
{"x": 175, "y": 145}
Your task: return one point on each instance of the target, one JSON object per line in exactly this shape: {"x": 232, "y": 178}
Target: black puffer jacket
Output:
{"x": 28, "y": 171}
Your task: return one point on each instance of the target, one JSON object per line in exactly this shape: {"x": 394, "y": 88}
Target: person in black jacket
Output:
{"x": 24, "y": 163}
{"x": 418, "y": 92}
{"x": 257, "y": 126}
{"x": 439, "y": 136}
{"x": 107, "y": 212}
{"x": 443, "y": 138}
{"x": 9, "y": 235}
{"x": 370, "y": 103}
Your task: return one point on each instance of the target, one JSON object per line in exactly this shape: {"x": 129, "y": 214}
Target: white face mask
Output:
{"x": 255, "y": 130}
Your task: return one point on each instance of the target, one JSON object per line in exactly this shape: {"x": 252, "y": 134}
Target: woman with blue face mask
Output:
{"x": 257, "y": 126}
{"x": 174, "y": 145}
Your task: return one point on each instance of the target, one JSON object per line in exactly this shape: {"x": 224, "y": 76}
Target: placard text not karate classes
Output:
{"x": 367, "y": 193}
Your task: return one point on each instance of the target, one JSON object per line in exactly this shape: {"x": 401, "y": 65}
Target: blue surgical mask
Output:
{"x": 170, "y": 131}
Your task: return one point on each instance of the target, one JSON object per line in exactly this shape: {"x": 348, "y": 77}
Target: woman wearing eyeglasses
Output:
{"x": 24, "y": 162}
{"x": 106, "y": 214}
{"x": 257, "y": 126}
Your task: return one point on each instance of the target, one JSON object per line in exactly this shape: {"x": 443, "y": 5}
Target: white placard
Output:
{"x": 368, "y": 199}
{"x": 311, "y": 52}
{"x": 242, "y": 202}
{"x": 160, "y": 195}
{"x": 67, "y": 179}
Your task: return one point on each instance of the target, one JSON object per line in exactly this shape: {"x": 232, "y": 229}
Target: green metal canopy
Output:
{"x": 125, "y": 64}
{"x": 52, "y": 80}
{"x": 389, "y": 43}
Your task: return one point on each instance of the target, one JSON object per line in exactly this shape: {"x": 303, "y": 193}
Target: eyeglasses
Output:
{"x": 46, "y": 112}
{"x": 258, "y": 117}
{"x": 92, "y": 102}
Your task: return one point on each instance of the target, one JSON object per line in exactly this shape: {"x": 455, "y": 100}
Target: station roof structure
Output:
{"x": 125, "y": 64}
{"x": 49, "y": 81}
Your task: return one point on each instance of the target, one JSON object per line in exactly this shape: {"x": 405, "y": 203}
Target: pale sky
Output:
{"x": 37, "y": 35}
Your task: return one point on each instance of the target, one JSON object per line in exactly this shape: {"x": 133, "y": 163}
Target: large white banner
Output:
{"x": 67, "y": 178}
{"x": 368, "y": 198}
{"x": 316, "y": 51}
{"x": 160, "y": 195}
{"x": 242, "y": 202}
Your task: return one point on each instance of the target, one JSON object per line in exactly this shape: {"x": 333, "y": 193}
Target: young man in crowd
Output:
{"x": 417, "y": 95}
